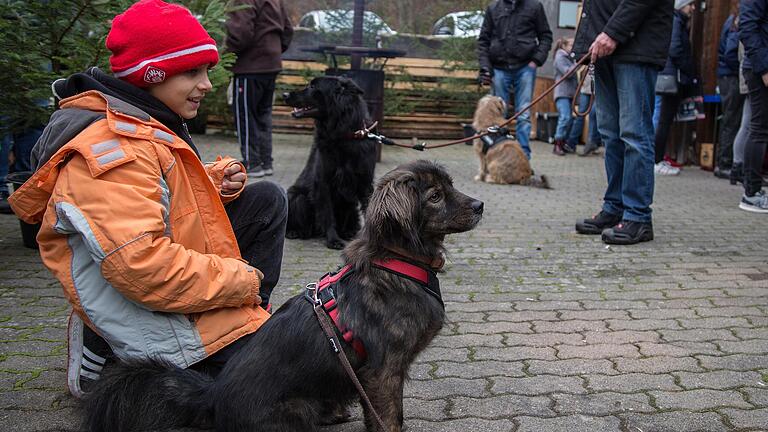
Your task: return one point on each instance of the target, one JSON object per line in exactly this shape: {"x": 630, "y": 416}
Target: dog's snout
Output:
{"x": 477, "y": 207}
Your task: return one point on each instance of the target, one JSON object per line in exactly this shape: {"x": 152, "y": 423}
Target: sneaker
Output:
{"x": 665, "y": 169}
{"x": 88, "y": 353}
{"x": 757, "y": 203}
{"x": 268, "y": 171}
{"x": 256, "y": 172}
{"x": 597, "y": 223}
{"x": 589, "y": 148}
{"x": 723, "y": 173}
{"x": 672, "y": 162}
{"x": 5, "y": 208}
{"x": 628, "y": 232}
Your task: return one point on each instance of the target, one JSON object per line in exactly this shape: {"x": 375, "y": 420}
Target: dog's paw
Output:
{"x": 478, "y": 178}
{"x": 291, "y": 235}
{"x": 337, "y": 244}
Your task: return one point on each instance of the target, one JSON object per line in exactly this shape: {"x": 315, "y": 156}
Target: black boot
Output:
{"x": 597, "y": 223}
{"x": 737, "y": 173}
{"x": 558, "y": 148}
{"x": 628, "y": 232}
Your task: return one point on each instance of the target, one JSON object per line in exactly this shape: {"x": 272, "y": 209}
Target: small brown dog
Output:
{"x": 502, "y": 160}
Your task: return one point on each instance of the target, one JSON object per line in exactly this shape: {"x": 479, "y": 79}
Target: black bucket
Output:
{"x": 468, "y": 131}
{"x": 28, "y": 231}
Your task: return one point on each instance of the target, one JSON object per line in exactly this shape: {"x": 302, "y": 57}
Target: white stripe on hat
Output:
{"x": 180, "y": 53}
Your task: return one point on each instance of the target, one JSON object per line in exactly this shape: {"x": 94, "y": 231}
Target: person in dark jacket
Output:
{"x": 753, "y": 33}
{"x": 514, "y": 40}
{"x": 732, "y": 99}
{"x": 258, "y": 34}
{"x": 681, "y": 67}
{"x": 627, "y": 41}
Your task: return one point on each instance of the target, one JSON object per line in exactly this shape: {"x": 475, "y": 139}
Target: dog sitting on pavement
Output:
{"x": 502, "y": 160}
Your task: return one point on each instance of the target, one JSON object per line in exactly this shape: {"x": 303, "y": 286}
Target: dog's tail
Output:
{"x": 539, "y": 181}
{"x": 132, "y": 396}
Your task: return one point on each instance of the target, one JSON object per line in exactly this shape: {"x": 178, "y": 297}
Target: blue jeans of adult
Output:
{"x": 564, "y": 119}
{"x": 522, "y": 79}
{"x": 625, "y": 98}
{"x": 656, "y": 111}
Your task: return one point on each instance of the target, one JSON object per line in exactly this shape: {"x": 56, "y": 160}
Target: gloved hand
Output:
{"x": 485, "y": 77}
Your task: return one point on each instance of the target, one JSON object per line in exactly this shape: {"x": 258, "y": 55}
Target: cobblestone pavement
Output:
{"x": 547, "y": 330}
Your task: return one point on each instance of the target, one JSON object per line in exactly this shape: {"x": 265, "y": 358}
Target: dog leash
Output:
{"x": 423, "y": 146}
{"x": 328, "y": 329}
{"x": 591, "y": 75}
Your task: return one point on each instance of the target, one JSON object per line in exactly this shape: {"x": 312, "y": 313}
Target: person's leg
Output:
{"x": 740, "y": 143}
{"x": 245, "y": 123}
{"x": 524, "y": 80}
{"x": 635, "y": 84}
{"x": 577, "y": 126}
{"x": 263, "y": 115}
{"x": 667, "y": 113}
{"x": 502, "y": 79}
{"x": 5, "y": 145}
{"x": 732, "y": 102}
{"x": 564, "y": 121}
{"x": 754, "y": 151}
{"x": 607, "y": 104}
{"x": 22, "y": 148}
{"x": 258, "y": 218}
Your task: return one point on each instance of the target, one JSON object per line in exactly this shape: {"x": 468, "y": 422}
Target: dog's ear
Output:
{"x": 395, "y": 209}
{"x": 349, "y": 87}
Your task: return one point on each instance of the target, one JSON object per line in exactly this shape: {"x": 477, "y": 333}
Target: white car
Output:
{"x": 459, "y": 24}
{"x": 340, "y": 20}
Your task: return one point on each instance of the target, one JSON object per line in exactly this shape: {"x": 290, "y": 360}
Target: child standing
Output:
{"x": 564, "y": 94}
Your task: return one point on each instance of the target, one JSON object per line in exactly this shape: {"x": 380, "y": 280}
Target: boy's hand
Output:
{"x": 234, "y": 179}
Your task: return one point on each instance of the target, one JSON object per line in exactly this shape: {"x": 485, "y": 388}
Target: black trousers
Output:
{"x": 754, "y": 152}
{"x": 669, "y": 104}
{"x": 258, "y": 216}
{"x": 733, "y": 102}
{"x": 252, "y": 104}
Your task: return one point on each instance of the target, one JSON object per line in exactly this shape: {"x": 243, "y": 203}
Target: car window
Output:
{"x": 307, "y": 21}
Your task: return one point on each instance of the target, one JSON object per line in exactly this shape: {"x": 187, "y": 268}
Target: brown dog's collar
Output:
{"x": 435, "y": 263}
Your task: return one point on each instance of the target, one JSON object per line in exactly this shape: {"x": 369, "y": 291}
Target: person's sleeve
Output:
{"x": 544, "y": 34}
{"x": 287, "y": 36}
{"x": 123, "y": 220}
{"x": 562, "y": 64}
{"x": 484, "y": 41}
{"x": 722, "y": 47}
{"x": 627, "y": 18}
{"x": 752, "y": 15}
{"x": 215, "y": 172}
{"x": 241, "y": 26}
{"x": 680, "y": 50}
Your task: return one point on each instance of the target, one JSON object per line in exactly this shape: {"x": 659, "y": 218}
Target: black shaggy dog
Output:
{"x": 287, "y": 373}
{"x": 336, "y": 183}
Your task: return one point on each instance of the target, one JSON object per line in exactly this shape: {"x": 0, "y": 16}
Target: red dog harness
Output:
{"x": 326, "y": 295}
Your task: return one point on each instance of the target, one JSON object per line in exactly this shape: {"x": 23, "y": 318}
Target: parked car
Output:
{"x": 340, "y": 20}
{"x": 459, "y": 24}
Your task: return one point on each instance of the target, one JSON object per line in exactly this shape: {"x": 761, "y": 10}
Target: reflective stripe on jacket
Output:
{"x": 135, "y": 230}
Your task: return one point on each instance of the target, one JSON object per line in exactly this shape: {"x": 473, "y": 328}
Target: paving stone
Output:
{"x": 677, "y": 349}
{"x": 466, "y": 341}
{"x": 642, "y": 324}
{"x": 697, "y": 335}
{"x": 573, "y": 423}
{"x": 443, "y": 387}
{"x": 543, "y": 339}
{"x": 662, "y": 313}
{"x": 718, "y": 380}
{"x": 495, "y": 327}
{"x": 601, "y": 404}
{"x": 752, "y": 346}
{"x": 737, "y": 362}
{"x": 714, "y": 323}
{"x": 597, "y": 351}
{"x": 424, "y": 409}
{"x": 757, "y": 396}
{"x": 504, "y": 406}
{"x": 659, "y": 364}
{"x": 697, "y": 400}
{"x": 538, "y": 385}
{"x": 594, "y": 314}
{"x": 479, "y": 369}
{"x": 631, "y": 382}
{"x": 571, "y": 367}
{"x": 514, "y": 353}
{"x": 675, "y": 421}
{"x": 733, "y": 311}
{"x": 620, "y": 337}
{"x": 522, "y": 316}
{"x": 566, "y": 326}
{"x": 460, "y": 425}
{"x": 752, "y": 419}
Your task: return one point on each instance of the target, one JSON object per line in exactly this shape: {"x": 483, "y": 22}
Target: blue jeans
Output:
{"x": 564, "y": 119}
{"x": 656, "y": 111}
{"x": 625, "y": 94}
{"x": 522, "y": 79}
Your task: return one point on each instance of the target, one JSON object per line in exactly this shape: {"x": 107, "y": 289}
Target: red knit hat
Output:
{"x": 154, "y": 40}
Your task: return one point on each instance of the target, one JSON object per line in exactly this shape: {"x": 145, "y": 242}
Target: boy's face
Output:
{"x": 183, "y": 92}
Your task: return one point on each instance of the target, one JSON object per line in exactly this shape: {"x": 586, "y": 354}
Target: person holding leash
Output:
{"x": 156, "y": 252}
{"x": 627, "y": 42}
{"x": 514, "y": 40}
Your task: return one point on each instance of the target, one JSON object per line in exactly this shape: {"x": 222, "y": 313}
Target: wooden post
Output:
{"x": 357, "y": 33}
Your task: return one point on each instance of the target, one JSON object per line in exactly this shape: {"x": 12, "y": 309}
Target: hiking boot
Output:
{"x": 88, "y": 353}
{"x": 737, "y": 173}
{"x": 558, "y": 148}
{"x": 665, "y": 169}
{"x": 597, "y": 223}
{"x": 757, "y": 203}
{"x": 589, "y": 148}
{"x": 628, "y": 232}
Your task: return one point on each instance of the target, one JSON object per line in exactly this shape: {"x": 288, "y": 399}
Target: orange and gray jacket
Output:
{"x": 259, "y": 32}
{"x": 134, "y": 228}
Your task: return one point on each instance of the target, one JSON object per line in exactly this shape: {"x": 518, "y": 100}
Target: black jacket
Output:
{"x": 514, "y": 33}
{"x": 642, "y": 29}
{"x": 680, "y": 60}
{"x": 753, "y": 33}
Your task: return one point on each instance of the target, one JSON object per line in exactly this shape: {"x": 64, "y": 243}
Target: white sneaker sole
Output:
{"x": 752, "y": 209}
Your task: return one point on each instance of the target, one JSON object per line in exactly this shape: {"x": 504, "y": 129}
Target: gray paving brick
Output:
{"x": 620, "y": 337}
{"x": 479, "y": 369}
{"x": 574, "y": 423}
{"x": 714, "y": 323}
{"x": 444, "y": 387}
{"x": 594, "y": 314}
{"x": 566, "y": 326}
{"x": 737, "y": 362}
{"x": 424, "y": 409}
{"x": 677, "y": 349}
{"x": 659, "y": 364}
{"x": 460, "y": 425}
{"x": 597, "y": 351}
{"x": 571, "y": 367}
{"x": 643, "y": 324}
{"x": 504, "y": 406}
{"x": 730, "y": 311}
{"x": 757, "y": 396}
{"x": 718, "y": 379}
{"x": 752, "y": 419}
{"x": 662, "y": 313}
{"x": 495, "y": 327}
{"x": 675, "y": 421}
{"x": 601, "y": 404}
{"x": 466, "y": 341}
{"x": 631, "y": 382}
{"x": 697, "y": 400}
{"x": 514, "y": 353}
{"x": 523, "y": 316}
{"x": 752, "y": 346}
{"x": 543, "y": 339}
